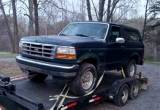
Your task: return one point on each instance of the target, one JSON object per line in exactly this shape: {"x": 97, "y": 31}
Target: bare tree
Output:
{"x": 108, "y": 10}
{"x": 95, "y": 10}
{"x": 15, "y": 35}
{"x": 82, "y": 9}
{"x": 31, "y": 18}
{"x": 89, "y": 10}
{"x": 36, "y": 20}
{"x": 111, "y": 8}
{"x": 8, "y": 27}
{"x": 151, "y": 30}
{"x": 101, "y": 10}
{"x": 145, "y": 18}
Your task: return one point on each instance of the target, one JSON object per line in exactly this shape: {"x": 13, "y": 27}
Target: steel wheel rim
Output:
{"x": 125, "y": 96}
{"x": 87, "y": 80}
{"x": 135, "y": 90}
{"x": 132, "y": 70}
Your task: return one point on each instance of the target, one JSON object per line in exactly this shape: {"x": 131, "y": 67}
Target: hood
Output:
{"x": 61, "y": 40}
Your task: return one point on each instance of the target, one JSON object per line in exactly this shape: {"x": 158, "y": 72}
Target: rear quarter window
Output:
{"x": 132, "y": 35}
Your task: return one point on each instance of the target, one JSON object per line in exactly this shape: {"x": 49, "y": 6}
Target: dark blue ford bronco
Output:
{"x": 81, "y": 52}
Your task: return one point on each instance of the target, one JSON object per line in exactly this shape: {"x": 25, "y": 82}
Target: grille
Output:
{"x": 38, "y": 50}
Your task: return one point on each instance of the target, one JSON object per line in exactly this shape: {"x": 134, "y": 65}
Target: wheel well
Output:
{"x": 136, "y": 58}
{"x": 90, "y": 60}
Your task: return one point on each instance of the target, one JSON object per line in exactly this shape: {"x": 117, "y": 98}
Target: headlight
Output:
{"x": 20, "y": 46}
{"x": 66, "y": 52}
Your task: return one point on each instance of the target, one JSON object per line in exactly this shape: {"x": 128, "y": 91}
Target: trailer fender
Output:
{"x": 117, "y": 85}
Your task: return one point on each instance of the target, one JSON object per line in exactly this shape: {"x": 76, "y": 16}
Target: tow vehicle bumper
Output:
{"x": 54, "y": 69}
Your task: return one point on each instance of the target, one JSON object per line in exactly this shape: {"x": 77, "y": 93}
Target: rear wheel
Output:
{"x": 122, "y": 97}
{"x": 85, "y": 81}
{"x": 130, "y": 69}
{"x": 38, "y": 77}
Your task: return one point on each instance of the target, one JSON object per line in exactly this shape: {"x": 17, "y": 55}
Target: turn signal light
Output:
{"x": 66, "y": 56}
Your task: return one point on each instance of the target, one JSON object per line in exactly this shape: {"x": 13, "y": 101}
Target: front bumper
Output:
{"x": 54, "y": 69}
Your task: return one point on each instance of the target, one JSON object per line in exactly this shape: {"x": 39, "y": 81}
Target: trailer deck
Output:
{"x": 43, "y": 96}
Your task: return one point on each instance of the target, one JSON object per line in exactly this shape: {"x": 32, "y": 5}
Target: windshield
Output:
{"x": 96, "y": 30}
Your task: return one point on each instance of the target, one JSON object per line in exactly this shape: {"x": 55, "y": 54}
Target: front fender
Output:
{"x": 88, "y": 56}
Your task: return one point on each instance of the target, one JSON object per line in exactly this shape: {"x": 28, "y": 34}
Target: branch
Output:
{"x": 24, "y": 3}
{"x": 95, "y": 9}
{"x": 115, "y": 2}
{"x": 54, "y": 4}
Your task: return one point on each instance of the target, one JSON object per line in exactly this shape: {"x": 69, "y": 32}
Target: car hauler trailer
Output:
{"x": 20, "y": 94}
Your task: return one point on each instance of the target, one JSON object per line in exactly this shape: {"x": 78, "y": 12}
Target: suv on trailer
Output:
{"x": 81, "y": 52}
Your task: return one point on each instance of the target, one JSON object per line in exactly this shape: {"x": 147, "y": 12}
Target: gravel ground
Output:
{"x": 8, "y": 67}
{"x": 147, "y": 100}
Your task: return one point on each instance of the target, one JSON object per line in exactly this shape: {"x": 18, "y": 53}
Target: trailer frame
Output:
{"x": 63, "y": 101}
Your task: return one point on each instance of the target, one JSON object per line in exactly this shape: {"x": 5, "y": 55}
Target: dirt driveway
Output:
{"x": 147, "y": 100}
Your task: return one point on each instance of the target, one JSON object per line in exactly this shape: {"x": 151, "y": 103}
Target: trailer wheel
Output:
{"x": 122, "y": 97}
{"x": 134, "y": 91}
{"x": 130, "y": 69}
{"x": 37, "y": 77}
{"x": 85, "y": 81}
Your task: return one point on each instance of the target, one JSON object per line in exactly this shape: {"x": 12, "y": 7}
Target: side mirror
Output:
{"x": 120, "y": 40}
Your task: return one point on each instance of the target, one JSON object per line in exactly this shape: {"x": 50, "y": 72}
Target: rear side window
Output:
{"x": 131, "y": 35}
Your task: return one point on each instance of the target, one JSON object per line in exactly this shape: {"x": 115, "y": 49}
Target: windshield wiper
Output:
{"x": 63, "y": 34}
{"x": 82, "y": 35}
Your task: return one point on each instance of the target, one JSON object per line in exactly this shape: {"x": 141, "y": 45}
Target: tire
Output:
{"x": 130, "y": 69}
{"x": 122, "y": 97}
{"x": 37, "y": 77}
{"x": 134, "y": 91}
{"x": 85, "y": 81}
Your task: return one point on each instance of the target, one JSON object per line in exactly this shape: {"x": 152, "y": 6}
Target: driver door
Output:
{"x": 115, "y": 51}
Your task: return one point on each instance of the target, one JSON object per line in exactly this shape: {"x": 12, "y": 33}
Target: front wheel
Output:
{"x": 130, "y": 69}
{"x": 85, "y": 81}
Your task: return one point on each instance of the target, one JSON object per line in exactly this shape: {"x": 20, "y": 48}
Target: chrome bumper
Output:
{"x": 47, "y": 68}
{"x": 44, "y": 63}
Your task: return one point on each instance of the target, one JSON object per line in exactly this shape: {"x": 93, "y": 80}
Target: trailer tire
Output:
{"x": 134, "y": 90}
{"x": 122, "y": 96}
{"x": 87, "y": 74}
{"x": 36, "y": 77}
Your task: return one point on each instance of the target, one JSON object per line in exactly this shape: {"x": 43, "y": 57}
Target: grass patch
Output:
{"x": 152, "y": 61}
{"x": 9, "y": 69}
{"x": 7, "y": 55}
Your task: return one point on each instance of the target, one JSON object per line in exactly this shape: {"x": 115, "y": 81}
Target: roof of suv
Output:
{"x": 128, "y": 27}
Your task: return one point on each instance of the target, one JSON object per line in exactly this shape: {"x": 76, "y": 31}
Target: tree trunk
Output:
{"x": 82, "y": 10}
{"x": 31, "y": 19}
{"x": 36, "y": 20}
{"x": 145, "y": 19}
{"x": 8, "y": 27}
{"x": 155, "y": 52}
{"x": 89, "y": 10}
{"x": 108, "y": 10}
{"x": 15, "y": 35}
{"x": 101, "y": 9}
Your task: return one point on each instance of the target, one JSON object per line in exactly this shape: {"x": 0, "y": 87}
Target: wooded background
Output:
{"x": 20, "y": 18}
